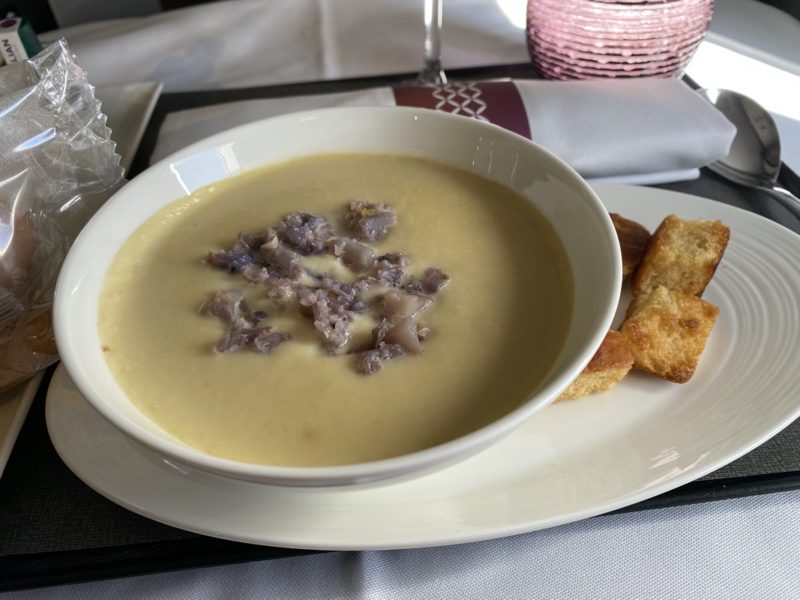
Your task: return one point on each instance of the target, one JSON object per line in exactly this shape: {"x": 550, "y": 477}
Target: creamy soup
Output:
{"x": 497, "y": 326}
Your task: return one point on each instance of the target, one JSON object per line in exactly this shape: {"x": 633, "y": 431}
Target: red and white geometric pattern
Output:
{"x": 461, "y": 99}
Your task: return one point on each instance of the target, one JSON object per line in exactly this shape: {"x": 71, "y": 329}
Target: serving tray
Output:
{"x": 54, "y": 529}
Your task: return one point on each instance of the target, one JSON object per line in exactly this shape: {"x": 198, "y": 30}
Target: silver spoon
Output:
{"x": 755, "y": 156}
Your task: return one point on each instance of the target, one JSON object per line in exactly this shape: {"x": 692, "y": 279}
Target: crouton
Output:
{"x": 667, "y": 330}
{"x": 608, "y": 366}
{"x": 633, "y": 239}
{"x": 682, "y": 255}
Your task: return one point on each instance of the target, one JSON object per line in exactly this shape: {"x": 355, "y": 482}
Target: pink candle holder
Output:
{"x": 590, "y": 39}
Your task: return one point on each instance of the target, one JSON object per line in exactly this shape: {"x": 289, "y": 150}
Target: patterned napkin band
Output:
{"x": 497, "y": 102}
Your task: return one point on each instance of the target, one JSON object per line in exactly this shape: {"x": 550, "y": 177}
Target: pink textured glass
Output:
{"x": 588, "y": 39}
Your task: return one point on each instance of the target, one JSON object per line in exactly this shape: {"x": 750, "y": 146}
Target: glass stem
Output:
{"x": 432, "y": 72}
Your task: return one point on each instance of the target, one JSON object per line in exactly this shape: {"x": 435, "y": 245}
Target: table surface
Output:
{"x": 70, "y": 533}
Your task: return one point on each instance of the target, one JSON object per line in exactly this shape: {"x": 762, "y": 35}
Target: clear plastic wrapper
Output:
{"x": 57, "y": 166}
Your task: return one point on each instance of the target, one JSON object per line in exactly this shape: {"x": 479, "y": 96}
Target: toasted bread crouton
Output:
{"x": 682, "y": 255}
{"x": 633, "y": 239}
{"x": 666, "y": 331}
{"x": 608, "y": 366}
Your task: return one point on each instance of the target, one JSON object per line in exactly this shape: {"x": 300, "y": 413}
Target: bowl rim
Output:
{"x": 347, "y": 474}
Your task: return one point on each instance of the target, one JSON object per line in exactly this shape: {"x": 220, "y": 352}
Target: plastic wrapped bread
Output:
{"x": 57, "y": 166}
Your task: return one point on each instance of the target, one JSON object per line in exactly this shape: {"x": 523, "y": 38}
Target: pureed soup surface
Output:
{"x": 497, "y": 327}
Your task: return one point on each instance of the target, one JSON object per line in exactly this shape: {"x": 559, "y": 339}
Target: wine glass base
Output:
{"x": 432, "y": 73}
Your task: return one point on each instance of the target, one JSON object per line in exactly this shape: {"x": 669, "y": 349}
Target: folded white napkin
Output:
{"x": 637, "y": 131}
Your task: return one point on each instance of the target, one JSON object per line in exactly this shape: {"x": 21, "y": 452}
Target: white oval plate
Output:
{"x": 572, "y": 460}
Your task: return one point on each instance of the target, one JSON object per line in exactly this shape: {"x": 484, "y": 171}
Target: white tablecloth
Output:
{"x": 745, "y": 548}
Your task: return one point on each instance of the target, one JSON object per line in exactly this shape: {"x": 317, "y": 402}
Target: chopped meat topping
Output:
{"x": 390, "y": 268}
{"x": 282, "y": 293}
{"x": 235, "y": 338}
{"x": 344, "y": 294}
{"x": 355, "y": 255}
{"x": 432, "y": 281}
{"x": 228, "y": 306}
{"x": 399, "y": 305}
{"x": 371, "y": 361}
{"x": 423, "y": 332}
{"x": 267, "y": 339}
{"x": 370, "y": 221}
{"x": 285, "y": 260}
{"x": 242, "y": 254}
{"x": 305, "y": 233}
{"x": 254, "y": 241}
{"x": 262, "y": 339}
{"x": 230, "y": 261}
{"x": 403, "y": 332}
{"x": 262, "y": 274}
{"x": 331, "y": 317}
{"x": 273, "y": 258}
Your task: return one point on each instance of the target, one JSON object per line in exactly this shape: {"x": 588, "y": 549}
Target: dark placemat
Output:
{"x": 54, "y": 529}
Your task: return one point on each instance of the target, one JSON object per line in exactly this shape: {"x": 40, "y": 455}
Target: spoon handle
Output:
{"x": 787, "y": 200}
